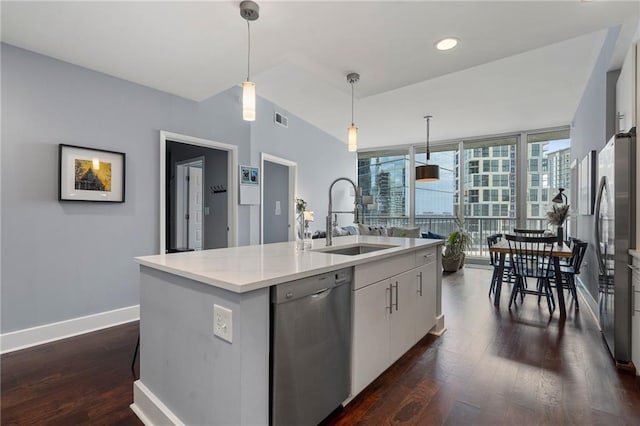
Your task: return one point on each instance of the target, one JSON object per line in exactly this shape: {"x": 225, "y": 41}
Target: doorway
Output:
{"x": 277, "y": 207}
{"x": 198, "y": 193}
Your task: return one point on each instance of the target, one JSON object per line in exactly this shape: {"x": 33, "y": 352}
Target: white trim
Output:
{"x": 232, "y": 181}
{"x": 293, "y": 189}
{"x": 149, "y": 409}
{"x": 28, "y": 337}
{"x": 587, "y": 300}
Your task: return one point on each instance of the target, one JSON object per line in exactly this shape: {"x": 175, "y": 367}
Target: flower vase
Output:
{"x": 300, "y": 231}
{"x": 560, "y": 232}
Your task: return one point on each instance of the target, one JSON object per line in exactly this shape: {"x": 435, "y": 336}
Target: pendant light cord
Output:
{"x": 428, "y": 154}
{"x": 248, "y": 51}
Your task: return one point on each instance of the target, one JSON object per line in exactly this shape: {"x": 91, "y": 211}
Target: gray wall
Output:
{"x": 67, "y": 260}
{"x": 320, "y": 159}
{"x": 591, "y": 130}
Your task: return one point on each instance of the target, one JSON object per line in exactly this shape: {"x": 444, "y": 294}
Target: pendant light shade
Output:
{"x": 250, "y": 11}
{"x": 353, "y": 139}
{"x": 248, "y": 101}
{"x": 428, "y": 172}
{"x": 352, "y": 134}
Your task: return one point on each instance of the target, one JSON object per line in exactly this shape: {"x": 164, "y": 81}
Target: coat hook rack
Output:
{"x": 217, "y": 189}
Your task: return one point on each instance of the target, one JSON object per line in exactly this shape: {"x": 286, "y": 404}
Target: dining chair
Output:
{"x": 494, "y": 261}
{"x": 569, "y": 271}
{"x": 532, "y": 257}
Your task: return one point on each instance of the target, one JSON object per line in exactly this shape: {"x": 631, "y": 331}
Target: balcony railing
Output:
{"x": 478, "y": 227}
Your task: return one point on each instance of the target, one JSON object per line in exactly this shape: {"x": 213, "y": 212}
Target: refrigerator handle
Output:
{"x": 601, "y": 262}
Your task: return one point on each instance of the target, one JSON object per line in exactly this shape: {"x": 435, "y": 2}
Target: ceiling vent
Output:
{"x": 281, "y": 120}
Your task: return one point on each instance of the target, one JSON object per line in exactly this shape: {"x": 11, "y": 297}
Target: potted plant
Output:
{"x": 556, "y": 217}
{"x": 454, "y": 248}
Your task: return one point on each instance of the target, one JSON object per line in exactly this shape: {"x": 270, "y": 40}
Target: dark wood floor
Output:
{"x": 492, "y": 366}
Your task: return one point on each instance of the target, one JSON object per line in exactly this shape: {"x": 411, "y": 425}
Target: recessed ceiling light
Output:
{"x": 447, "y": 43}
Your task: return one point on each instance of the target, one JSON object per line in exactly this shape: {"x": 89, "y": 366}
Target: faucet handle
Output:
{"x": 356, "y": 213}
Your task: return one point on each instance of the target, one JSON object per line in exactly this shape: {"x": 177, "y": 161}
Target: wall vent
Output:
{"x": 281, "y": 120}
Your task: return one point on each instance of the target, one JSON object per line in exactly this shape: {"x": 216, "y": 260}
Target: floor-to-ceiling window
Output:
{"x": 483, "y": 180}
{"x": 384, "y": 181}
{"x": 436, "y": 202}
{"x": 548, "y": 170}
{"x": 489, "y": 189}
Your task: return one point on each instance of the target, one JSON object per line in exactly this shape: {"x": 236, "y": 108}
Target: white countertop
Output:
{"x": 247, "y": 268}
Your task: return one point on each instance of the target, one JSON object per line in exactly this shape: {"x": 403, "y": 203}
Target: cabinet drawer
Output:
{"x": 370, "y": 273}
{"x": 426, "y": 256}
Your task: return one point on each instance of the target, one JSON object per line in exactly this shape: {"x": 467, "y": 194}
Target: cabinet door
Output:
{"x": 370, "y": 355}
{"x": 402, "y": 318}
{"x": 426, "y": 283}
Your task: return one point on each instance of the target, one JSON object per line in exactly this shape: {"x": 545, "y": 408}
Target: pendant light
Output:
{"x": 250, "y": 11}
{"x": 427, "y": 172}
{"x": 352, "y": 135}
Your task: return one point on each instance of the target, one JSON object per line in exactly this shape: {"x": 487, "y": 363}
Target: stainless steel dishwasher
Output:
{"x": 310, "y": 347}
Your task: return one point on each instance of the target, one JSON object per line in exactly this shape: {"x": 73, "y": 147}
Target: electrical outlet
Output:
{"x": 222, "y": 323}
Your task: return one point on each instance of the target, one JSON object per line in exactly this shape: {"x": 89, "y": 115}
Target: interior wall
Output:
{"x": 67, "y": 260}
{"x": 321, "y": 159}
{"x": 591, "y": 125}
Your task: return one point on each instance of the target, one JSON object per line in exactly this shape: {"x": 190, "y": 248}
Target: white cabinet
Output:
{"x": 392, "y": 314}
{"x": 635, "y": 319}
{"x": 625, "y": 93}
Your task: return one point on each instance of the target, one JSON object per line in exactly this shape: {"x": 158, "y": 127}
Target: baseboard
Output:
{"x": 149, "y": 409}
{"x": 33, "y": 336}
{"x": 588, "y": 300}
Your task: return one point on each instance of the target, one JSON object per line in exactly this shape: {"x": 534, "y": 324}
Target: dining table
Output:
{"x": 559, "y": 252}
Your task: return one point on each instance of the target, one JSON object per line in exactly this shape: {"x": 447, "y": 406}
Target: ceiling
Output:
{"x": 519, "y": 65}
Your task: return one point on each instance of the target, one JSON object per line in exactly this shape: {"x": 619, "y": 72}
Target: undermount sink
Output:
{"x": 355, "y": 249}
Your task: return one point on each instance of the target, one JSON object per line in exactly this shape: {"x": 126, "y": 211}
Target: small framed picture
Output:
{"x": 87, "y": 174}
{"x": 249, "y": 175}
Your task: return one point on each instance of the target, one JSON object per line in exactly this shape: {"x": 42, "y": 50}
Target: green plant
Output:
{"x": 458, "y": 241}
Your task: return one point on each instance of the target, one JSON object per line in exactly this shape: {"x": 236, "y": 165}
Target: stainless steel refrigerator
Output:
{"x": 615, "y": 212}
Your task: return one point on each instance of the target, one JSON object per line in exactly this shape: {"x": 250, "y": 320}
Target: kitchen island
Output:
{"x": 190, "y": 376}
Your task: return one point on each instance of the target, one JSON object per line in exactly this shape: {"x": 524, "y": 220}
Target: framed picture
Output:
{"x": 249, "y": 175}
{"x": 87, "y": 174}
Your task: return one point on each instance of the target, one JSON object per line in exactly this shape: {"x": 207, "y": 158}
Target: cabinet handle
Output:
{"x": 390, "y": 307}
{"x": 396, "y": 295}
{"x": 420, "y": 289}
{"x": 633, "y": 299}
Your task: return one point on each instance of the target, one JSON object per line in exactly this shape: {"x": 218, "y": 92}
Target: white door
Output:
{"x": 402, "y": 331}
{"x": 195, "y": 208}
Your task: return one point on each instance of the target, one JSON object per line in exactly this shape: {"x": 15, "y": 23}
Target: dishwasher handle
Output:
{"x": 321, "y": 292}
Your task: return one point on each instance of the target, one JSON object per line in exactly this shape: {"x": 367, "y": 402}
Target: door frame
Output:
{"x": 293, "y": 187}
{"x": 232, "y": 182}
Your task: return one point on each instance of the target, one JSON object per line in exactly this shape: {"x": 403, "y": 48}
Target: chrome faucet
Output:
{"x": 330, "y": 212}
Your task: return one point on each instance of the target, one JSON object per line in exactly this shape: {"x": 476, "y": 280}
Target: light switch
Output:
{"x": 278, "y": 209}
